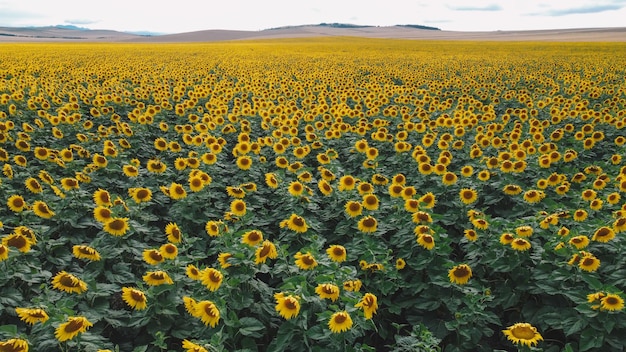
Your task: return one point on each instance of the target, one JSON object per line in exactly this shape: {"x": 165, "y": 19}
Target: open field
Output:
{"x": 393, "y": 32}
{"x": 325, "y": 194}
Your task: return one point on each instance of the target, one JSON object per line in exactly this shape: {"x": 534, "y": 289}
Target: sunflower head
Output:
{"x": 522, "y": 334}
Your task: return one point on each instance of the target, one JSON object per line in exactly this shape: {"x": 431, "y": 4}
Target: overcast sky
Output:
{"x": 175, "y": 16}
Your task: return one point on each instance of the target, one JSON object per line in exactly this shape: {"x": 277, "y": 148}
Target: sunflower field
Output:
{"x": 315, "y": 194}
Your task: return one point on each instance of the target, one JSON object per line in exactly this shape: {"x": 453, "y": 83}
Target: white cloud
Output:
{"x": 189, "y": 15}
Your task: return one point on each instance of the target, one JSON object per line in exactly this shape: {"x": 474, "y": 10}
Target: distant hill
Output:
{"x": 61, "y": 33}
{"x": 418, "y": 26}
{"x": 349, "y": 25}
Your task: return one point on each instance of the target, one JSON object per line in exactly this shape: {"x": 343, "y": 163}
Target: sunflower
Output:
{"x": 524, "y": 231}
{"x": 152, "y": 256}
{"x": 346, "y": 183}
{"x": 353, "y": 208}
{"x": 619, "y": 225}
{"x": 156, "y": 166}
{"x": 16, "y": 203}
{"x": 449, "y": 178}
{"x": 85, "y": 252}
{"x": 467, "y": 171}
{"x": 140, "y": 194}
{"x": 379, "y": 179}
{"x": 7, "y": 170}
{"x": 421, "y": 217}
{"x": 428, "y": 200}
{"x": 214, "y": 228}
{"x": 41, "y": 209}
{"x": 177, "y": 191}
{"x": 116, "y": 226}
{"x": 574, "y": 259}
{"x": 579, "y": 242}
{"x": 209, "y": 158}
{"x": 470, "y": 234}
{"x": 174, "y": 235}
{"x": 212, "y": 278}
{"x": 484, "y": 175}
{"x": 20, "y": 160}
{"x": 580, "y": 215}
{"x": 192, "y": 347}
{"x": 613, "y": 198}
{"x": 589, "y": 263}
{"x": 520, "y": 244}
{"x": 533, "y": 196}
{"x": 603, "y": 234}
{"x": 425, "y": 168}
{"x": 266, "y": 250}
{"x": 523, "y": 334}
{"x": 296, "y": 188}
{"x": 426, "y": 240}
{"x": 367, "y": 224}
{"x": 468, "y": 195}
{"x": 168, "y": 250}
{"x": 102, "y": 214}
{"x": 440, "y": 169}
{"x": 156, "y": 278}
{"x": 612, "y": 302}
{"x": 460, "y": 274}
{"x": 596, "y": 204}
{"x": 287, "y": 306}
{"x": 361, "y": 145}
{"x": 369, "y": 304}
{"x": 244, "y": 162}
{"x": 340, "y": 322}
{"x": 408, "y": 192}
{"x": 69, "y": 183}
{"x": 14, "y": 345}
{"x": 282, "y": 162}
{"x": 69, "y": 283}
{"x": 322, "y": 158}
{"x": 25, "y": 231}
{"x": 365, "y": 188}
{"x": 238, "y": 207}
{"x": 252, "y": 238}
{"x": 352, "y": 285}
{"x": 400, "y": 263}
{"x": 271, "y": 180}
{"x": 33, "y": 185}
{"x": 370, "y": 202}
{"x": 411, "y": 205}
{"x": 100, "y": 161}
{"x": 180, "y": 163}
{"x": 305, "y": 261}
{"x": 160, "y": 144}
{"x": 480, "y": 224}
{"x": 324, "y": 187}
{"x": 17, "y": 240}
{"x": 130, "y": 170}
{"x": 193, "y": 272}
{"x": 295, "y": 223}
{"x": 71, "y": 328}
{"x": 4, "y": 252}
{"x": 588, "y": 195}
{"x": 395, "y": 190}
{"x": 337, "y": 253}
{"x": 235, "y": 192}
{"x": 174, "y": 147}
{"x": 512, "y": 190}
{"x": 135, "y": 298}
{"x": 31, "y": 315}
{"x": 327, "y": 291}
{"x": 207, "y": 312}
